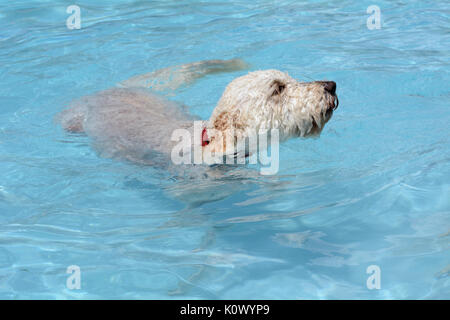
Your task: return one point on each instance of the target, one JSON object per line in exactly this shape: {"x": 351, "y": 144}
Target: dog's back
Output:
{"x": 126, "y": 123}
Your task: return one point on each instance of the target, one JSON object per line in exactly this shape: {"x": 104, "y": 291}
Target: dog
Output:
{"x": 135, "y": 123}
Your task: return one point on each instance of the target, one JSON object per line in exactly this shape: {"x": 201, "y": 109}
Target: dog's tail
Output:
{"x": 173, "y": 78}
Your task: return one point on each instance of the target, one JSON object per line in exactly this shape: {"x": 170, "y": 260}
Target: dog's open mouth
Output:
{"x": 333, "y": 103}
{"x": 332, "y": 106}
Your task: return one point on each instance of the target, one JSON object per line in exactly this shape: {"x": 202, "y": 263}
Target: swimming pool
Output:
{"x": 373, "y": 190}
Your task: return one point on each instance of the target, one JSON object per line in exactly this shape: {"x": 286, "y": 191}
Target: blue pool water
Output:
{"x": 372, "y": 190}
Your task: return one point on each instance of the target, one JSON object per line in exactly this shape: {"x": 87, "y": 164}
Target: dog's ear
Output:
{"x": 277, "y": 87}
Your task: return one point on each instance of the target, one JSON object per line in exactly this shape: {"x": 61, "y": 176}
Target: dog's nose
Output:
{"x": 330, "y": 86}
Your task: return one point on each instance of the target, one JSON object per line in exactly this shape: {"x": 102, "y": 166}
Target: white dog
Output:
{"x": 133, "y": 123}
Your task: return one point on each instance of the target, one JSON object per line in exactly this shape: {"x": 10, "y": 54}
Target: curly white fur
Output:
{"x": 271, "y": 99}
{"x": 137, "y": 125}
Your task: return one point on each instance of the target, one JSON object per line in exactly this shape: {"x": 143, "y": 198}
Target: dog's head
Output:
{"x": 271, "y": 99}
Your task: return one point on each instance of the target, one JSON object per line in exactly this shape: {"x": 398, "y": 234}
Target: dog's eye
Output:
{"x": 278, "y": 88}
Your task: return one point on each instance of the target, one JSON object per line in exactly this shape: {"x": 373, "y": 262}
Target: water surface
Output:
{"x": 372, "y": 190}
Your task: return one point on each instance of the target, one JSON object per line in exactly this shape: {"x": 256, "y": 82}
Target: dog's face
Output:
{"x": 309, "y": 106}
{"x": 270, "y": 99}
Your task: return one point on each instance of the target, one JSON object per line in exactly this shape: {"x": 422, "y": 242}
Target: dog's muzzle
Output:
{"x": 330, "y": 87}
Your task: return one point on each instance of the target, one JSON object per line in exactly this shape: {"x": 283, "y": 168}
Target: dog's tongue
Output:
{"x": 205, "y": 138}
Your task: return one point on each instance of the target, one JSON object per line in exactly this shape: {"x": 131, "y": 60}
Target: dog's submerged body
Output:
{"x": 133, "y": 123}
